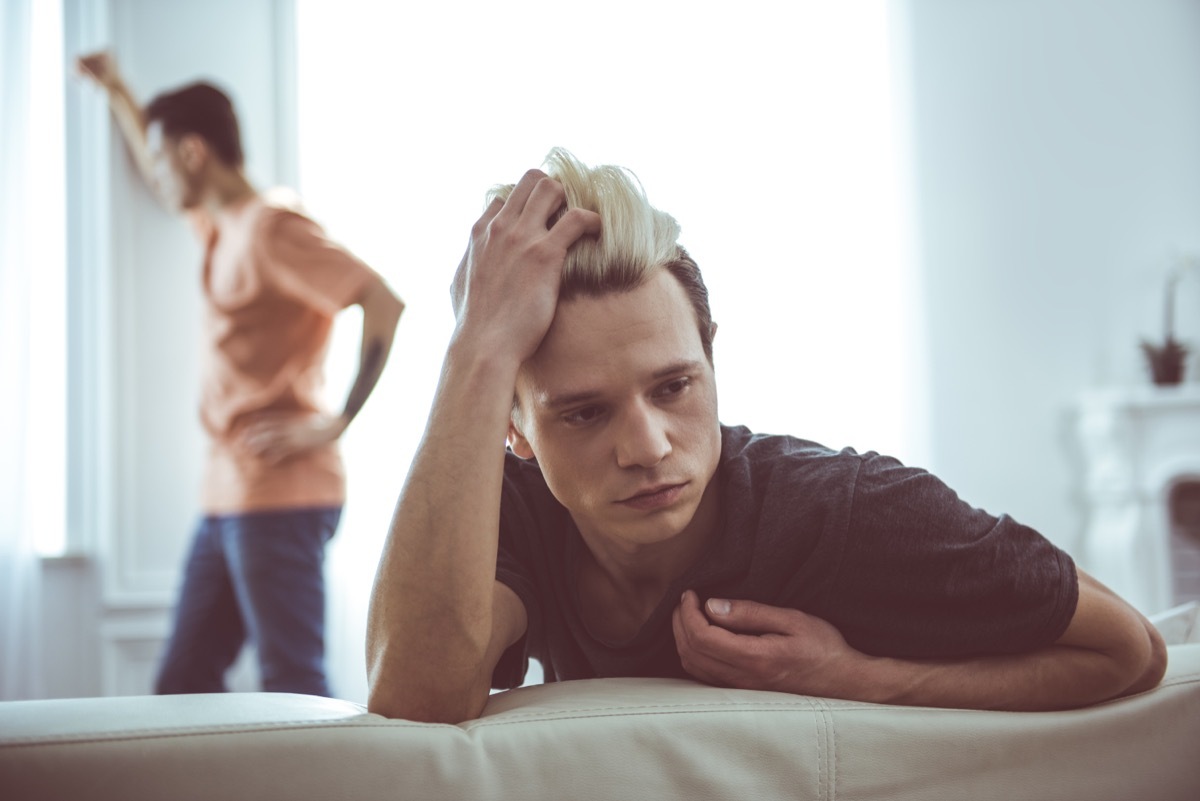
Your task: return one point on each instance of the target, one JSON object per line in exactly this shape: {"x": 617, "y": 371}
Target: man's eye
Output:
{"x": 673, "y": 388}
{"x": 587, "y": 414}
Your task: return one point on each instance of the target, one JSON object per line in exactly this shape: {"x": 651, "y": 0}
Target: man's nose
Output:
{"x": 642, "y": 439}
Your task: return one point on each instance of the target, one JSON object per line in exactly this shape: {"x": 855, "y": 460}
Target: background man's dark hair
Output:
{"x": 204, "y": 110}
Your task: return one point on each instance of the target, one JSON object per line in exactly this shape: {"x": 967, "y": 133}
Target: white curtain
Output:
{"x": 19, "y": 564}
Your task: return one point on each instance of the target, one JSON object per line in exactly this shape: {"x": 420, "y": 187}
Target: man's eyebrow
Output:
{"x": 570, "y": 399}
{"x": 681, "y": 366}
{"x": 584, "y": 396}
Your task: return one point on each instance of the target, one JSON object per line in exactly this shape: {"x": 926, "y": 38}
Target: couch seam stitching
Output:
{"x": 819, "y": 729}
{"x": 67, "y": 739}
{"x": 837, "y": 753}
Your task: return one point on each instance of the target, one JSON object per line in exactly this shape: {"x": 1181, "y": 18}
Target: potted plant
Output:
{"x": 1167, "y": 360}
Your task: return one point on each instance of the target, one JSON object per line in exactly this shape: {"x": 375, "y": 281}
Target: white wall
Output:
{"x": 1057, "y": 147}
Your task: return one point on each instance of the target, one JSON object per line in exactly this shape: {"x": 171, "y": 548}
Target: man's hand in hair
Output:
{"x": 506, "y": 288}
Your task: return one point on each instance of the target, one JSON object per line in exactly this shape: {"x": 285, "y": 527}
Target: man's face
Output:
{"x": 176, "y": 166}
{"x": 619, "y": 406}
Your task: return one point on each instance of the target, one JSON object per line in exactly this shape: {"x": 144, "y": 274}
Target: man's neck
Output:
{"x": 228, "y": 190}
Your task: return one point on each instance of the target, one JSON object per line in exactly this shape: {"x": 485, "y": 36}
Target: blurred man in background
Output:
{"x": 274, "y": 483}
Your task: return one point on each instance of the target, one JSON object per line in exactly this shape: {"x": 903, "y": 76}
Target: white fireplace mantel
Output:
{"x": 1137, "y": 443}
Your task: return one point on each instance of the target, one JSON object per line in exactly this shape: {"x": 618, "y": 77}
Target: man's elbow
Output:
{"x": 378, "y": 299}
{"x": 1137, "y": 660}
{"x": 393, "y": 305}
{"x": 1128, "y": 653}
{"x": 422, "y": 713}
{"x": 1151, "y": 668}
{"x": 425, "y": 707}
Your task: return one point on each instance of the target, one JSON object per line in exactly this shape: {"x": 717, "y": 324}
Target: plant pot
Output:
{"x": 1166, "y": 361}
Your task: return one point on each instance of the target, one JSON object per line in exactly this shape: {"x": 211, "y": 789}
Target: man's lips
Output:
{"x": 654, "y": 497}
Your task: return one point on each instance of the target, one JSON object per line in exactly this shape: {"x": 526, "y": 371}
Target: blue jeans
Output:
{"x": 256, "y": 576}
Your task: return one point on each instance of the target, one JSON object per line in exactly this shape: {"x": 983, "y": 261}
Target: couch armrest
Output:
{"x": 1180, "y": 624}
{"x": 602, "y": 739}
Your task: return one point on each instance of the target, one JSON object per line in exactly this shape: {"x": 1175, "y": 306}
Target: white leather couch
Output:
{"x": 604, "y": 739}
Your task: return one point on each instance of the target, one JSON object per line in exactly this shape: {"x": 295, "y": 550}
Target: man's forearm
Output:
{"x": 1107, "y": 650}
{"x": 1057, "y": 677}
{"x": 128, "y": 115}
{"x": 430, "y": 622}
{"x": 439, "y": 620}
{"x": 381, "y": 315}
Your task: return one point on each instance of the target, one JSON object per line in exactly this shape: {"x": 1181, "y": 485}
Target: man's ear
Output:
{"x": 712, "y": 331}
{"x": 520, "y": 445}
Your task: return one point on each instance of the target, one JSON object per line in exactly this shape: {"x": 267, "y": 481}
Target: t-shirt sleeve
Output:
{"x": 512, "y": 569}
{"x": 305, "y": 264}
{"x": 925, "y": 575}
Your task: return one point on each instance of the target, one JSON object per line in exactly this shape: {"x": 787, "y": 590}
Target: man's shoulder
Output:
{"x": 528, "y": 509}
{"x": 523, "y": 477}
{"x": 786, "y": 479}
{"x": 282, "y": 200}
{"x": 767, "y": 454}
{"x": 791, "y": 475}
{"x": 280, "y": 228}
{"x": 517, "y": 467}
{"x": 278, "y": 214}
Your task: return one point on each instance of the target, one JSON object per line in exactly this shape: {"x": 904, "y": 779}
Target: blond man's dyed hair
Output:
{"x": 635, "y": 238}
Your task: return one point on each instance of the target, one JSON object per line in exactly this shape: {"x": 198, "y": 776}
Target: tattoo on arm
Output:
{"x": 368, "y": 375}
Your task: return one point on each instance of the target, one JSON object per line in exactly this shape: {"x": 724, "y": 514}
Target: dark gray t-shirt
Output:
{"x": 886, "y": 553}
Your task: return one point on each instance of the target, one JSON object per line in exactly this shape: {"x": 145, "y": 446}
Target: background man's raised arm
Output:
{"x": 102, "y": 68}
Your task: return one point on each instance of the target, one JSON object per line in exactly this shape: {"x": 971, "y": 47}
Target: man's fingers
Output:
{"x": 481, "y": 224}
{"x": 458, "y": 286}
{"x": 259, "y": 443}
{"x": 533, "y": 201}
{"x": 689, "y": 613}
{"x": 689, "y": 622}
{"x": 263, "y": 431}
{"x": 94, "y": 65}
{"x": 712, "y": 641}
{"x": 708, "y": 670}
{"x": 515, "y": 204}
{"x": 574, "y": 224}
{"x": 547, "y": 197}
{"x": 85, "y": 70}
{"x": 750, "y": 617}
{"x": 275, "y": 450}
{"x": 696, "y": 660}
{"x": 264, "y": 437}
{"x": 680, "y": 634}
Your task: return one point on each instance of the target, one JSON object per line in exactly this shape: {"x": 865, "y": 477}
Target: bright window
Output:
{"x": 47, "y": 427}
